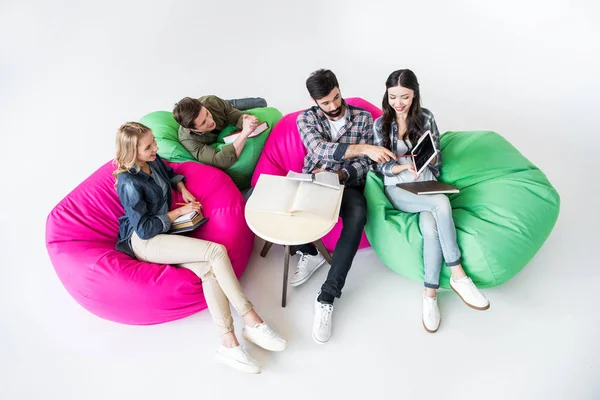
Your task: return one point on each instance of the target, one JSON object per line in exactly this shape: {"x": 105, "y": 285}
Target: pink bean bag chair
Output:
{"x": 284, "y": 151}
{"x": 81, "y": 233}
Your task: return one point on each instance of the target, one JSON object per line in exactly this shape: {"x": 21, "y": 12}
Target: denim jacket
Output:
{"x": 142, "y": 198}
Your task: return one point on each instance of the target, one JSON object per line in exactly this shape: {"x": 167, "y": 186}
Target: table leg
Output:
{"x": 266, "y": 248}
{"x": 286, "y": 267}
{"x": 323, "y": 250}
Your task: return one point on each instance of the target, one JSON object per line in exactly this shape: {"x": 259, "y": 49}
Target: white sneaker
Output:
{"x": 468, "y": 292}
{"x": 431, "y": 314}
{"x": 322, "y": 324}
{"x": 262, "y": 335}
{"x": 238, "y": 358}
{"x": 307, "y": 265}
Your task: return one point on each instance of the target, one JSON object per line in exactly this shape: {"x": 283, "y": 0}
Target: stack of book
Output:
{"x": 187, "y": 222}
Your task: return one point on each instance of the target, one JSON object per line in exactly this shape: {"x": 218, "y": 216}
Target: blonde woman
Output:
{"x": 144, "y": 182}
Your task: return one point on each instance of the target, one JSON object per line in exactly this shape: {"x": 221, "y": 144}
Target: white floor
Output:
{"x": 72, "y": 73}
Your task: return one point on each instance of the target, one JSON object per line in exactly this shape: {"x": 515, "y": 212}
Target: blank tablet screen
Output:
{"x": 423, "y": 152}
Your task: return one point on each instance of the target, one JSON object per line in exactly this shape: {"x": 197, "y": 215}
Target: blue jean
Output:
{"x": 248, "y": 102}
{"x": 437, "y": 228}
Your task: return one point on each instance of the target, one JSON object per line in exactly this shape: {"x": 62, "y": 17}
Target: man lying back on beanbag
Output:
{"x": 201, "y": 120}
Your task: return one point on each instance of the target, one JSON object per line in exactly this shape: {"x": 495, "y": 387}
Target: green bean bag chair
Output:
{"x": 165, "y": 129}
{"x": 504, "y": 212}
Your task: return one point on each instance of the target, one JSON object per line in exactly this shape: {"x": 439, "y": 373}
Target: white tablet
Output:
{"x": 423, "y": 152}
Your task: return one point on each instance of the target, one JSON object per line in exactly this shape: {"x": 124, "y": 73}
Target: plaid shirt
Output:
{"x": 428, "y": 125}
{"x": 325, "y": 153}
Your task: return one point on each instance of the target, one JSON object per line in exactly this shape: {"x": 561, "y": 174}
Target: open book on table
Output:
{"x": 289, "y": 197}
{"x": 187, "y": 222}
{"x": 259, "y": 129}
{"x": 323, "y": 178}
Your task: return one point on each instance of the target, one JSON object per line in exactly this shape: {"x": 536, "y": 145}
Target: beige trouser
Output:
{"x": 209, "y": 261}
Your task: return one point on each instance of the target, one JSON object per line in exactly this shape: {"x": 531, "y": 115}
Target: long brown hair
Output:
{"x": 414, "y": 122}
{"x": 127, "y": 140}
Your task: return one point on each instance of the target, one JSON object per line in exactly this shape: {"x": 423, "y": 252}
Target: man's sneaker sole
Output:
{"x": 307, "y": 277}
{"x": 249, "y": 369}
{"x": 469, "y": 304}
{"x": 429, "y": 330}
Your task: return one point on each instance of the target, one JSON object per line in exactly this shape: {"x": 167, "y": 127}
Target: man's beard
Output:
{"x": 335, "y": 113}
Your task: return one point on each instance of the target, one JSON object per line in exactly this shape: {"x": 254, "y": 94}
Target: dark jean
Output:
{"x": 353, "y": 212}
{"x": 248, "y": 103}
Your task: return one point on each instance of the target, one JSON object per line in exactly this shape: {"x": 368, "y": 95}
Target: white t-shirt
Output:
{"x": 336, "y": 128}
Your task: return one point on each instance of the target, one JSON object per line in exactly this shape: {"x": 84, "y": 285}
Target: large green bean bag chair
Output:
{"x": 165, "y": 129}
{"x": 504, "y": 212}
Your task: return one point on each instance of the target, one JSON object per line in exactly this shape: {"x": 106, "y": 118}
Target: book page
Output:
{"x": 317, "y": 200}
{"x": 328, "y": 179}
{"x": 185, "y": 217}
{"x": 230, "y": 138}
{"x": 276, "y": 198}
{"x": 259, "y": 129}
{"x": 299, "y": 177}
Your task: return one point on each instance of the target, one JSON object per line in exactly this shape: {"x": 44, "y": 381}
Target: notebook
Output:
{"x": 257, "y": 131}
{"x": 428, "y": 187}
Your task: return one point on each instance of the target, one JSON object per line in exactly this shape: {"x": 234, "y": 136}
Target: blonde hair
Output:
{"x": 127, "y": 140}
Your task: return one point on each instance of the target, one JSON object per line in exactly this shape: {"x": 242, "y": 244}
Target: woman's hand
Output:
{"x": 411, "y": 168}
{"x": 189, "y": 207}
{"x": 185, "y": 193}
{"x": 399, "y": 168}
{"x": 187, "y": 196}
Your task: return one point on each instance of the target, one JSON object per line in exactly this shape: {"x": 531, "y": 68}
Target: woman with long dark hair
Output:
{"x": 399, "y": 129}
